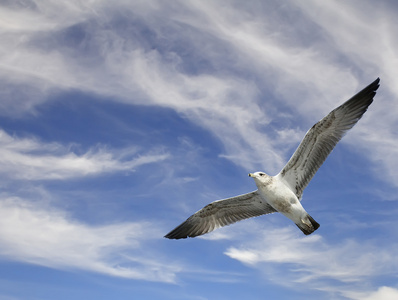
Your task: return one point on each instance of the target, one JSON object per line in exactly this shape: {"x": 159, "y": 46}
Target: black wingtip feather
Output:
{"x": 185, "y": 230}
{"x": 359, "y": 103}
{"x": 177, "y": 233}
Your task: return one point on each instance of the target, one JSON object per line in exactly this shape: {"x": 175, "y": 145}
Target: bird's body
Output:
{"x": 277, "y": 194}
{"x": 283, "y": 192}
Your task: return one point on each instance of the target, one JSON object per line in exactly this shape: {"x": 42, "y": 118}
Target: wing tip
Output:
{"x": 376, "y": 83}
{"x": 172, "y": 236}
{"x": 177, "y": 233}
{"x": 185, "y": 230}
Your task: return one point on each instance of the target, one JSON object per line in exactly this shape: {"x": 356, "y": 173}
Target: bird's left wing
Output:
{"x": 322, "y": 137}
{"x": 221, "y": 213}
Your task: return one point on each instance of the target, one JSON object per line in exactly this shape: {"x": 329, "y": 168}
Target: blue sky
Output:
{"x": 119, "y": 119}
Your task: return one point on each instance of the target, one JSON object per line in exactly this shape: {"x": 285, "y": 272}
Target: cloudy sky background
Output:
{"x": 119, "y": 119}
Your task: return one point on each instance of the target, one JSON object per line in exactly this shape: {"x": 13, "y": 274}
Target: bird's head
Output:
{"x": 260, "y": 177}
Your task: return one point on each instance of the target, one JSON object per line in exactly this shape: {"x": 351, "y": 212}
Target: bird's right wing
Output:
{"x": 221, "y": 213}
{"x": 323, "y": 137}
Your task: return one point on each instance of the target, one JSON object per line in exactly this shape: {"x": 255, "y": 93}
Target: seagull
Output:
{"x": 282, "y": 193}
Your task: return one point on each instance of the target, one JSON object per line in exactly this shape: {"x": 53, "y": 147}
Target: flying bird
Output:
{"x": 282, "y": 193}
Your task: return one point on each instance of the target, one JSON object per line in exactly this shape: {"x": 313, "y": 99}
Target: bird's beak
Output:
{"x": 250, "y": 175}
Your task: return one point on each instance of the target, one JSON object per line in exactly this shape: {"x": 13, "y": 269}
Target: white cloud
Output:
{"x": 33, "y": 233}
{"x": 301, "y": 74}
{"x": 245, "y": 72}
{"x": 349, "y": 33}
{"x": 219, "y": 98}
{"x": 127, "y": 69}
{"x": 223, "y": 101}
{"x": 28, "y": 158}
{"x": 312, "y": 261}
{"x": 382, "y": 293}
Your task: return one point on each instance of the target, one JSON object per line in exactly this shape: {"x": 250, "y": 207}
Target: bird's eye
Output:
{"x": 262, "y": 174}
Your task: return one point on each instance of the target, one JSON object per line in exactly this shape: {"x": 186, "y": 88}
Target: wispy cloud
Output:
{"x": 239, "y": 70}
{"x": 313, "y": 262}
{"x": 28, "y": 158}
{"x": 347, "y": 36}
{"x": 160, "y": 75}
{"x": 33, "y": 233}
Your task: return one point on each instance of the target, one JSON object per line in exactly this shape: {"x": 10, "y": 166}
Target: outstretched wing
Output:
{"x": 323, "y": 137}
{"x": 221, "y": 213}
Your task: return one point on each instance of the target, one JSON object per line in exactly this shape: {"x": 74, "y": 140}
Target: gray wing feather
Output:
{"x": 323, "y": 137}
{"x": 221, "y": 213}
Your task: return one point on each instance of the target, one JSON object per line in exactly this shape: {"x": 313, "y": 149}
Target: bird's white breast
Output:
{"x": 279, "y": 196}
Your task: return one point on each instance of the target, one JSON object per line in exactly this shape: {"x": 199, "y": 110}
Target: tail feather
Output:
{"x": 308, "y": 227}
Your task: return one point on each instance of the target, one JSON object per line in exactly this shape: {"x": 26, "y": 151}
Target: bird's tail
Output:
{"x": 308, "y": 225}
